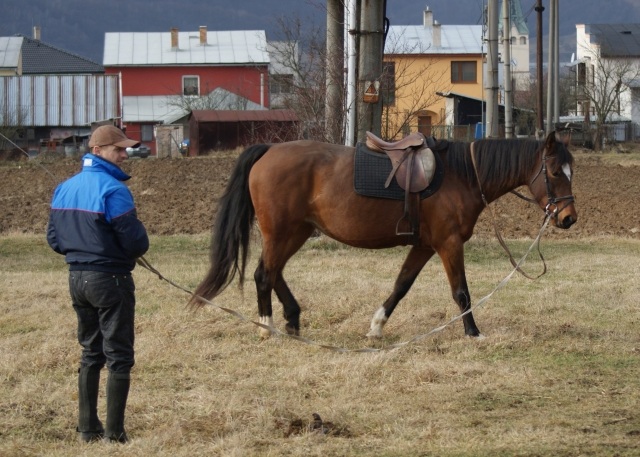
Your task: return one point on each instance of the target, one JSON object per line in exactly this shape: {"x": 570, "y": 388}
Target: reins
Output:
{"x": 548, "y": 216}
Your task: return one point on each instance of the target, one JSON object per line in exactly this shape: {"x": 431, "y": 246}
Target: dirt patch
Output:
{"x": 180, "y": 195}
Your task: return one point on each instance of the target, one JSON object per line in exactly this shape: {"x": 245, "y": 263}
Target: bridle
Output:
{"x": 552, "y": 209}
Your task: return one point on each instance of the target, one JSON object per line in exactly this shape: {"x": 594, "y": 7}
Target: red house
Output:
{"x": 166, "y": 75}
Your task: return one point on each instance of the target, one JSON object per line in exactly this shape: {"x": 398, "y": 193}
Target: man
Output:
{"x": 93, "y": 222}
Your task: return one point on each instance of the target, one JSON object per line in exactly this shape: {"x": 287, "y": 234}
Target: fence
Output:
{"x": 609, "y": 133}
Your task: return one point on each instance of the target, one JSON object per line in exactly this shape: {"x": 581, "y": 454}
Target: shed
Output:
{"x": 230, "y": 129}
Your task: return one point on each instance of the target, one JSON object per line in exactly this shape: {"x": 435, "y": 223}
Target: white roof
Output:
{"x": 166, "y": 109}
{"x": 418, "y": 39}
{"x": 10, "y": 51}
{"x": 154, "y": 48}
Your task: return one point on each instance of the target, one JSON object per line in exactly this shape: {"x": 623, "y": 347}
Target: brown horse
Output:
{"x": 297, "y": 187}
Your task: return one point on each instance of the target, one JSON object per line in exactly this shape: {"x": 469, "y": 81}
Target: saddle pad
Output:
{"x": 371, "y": 170}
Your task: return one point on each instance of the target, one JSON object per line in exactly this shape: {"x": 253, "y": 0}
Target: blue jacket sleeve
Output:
{"x": 131, "y": 234}
{"x": 129, "y": 230}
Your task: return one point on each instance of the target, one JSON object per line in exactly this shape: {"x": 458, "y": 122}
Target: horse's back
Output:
{"x": 299, "y": 164}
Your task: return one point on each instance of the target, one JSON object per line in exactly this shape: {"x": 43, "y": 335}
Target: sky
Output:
{"x": 79, "y": 26}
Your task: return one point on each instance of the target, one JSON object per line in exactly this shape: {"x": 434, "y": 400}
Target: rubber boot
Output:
{"x": 89, "y": 426}
{"x": 117, "y": 393}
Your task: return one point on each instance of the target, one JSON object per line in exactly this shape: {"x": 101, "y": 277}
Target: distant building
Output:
{"x": 166, "y": 75}
{"x": 423, "y": 62}
{"x": 519, "y": 45}
{"x": 49, "y": 96}
{"x": 608, "y": 59}
{"x": 433, "y": 75}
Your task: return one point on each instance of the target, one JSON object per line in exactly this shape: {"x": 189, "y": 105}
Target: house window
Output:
{"x": 523, "y": 40}
{"x": 281, "y": 84}
{"x": 388, "y": 83}
{"x": 463, "y": 72}
{"x": 146, "y": 133}
{"x": 190, "y": 85}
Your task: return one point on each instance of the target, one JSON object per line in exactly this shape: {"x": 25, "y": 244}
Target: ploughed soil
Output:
{"x": 180, "y": 195}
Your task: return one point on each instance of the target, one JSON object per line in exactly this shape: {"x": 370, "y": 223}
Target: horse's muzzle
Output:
{"x": 566, "y": 222}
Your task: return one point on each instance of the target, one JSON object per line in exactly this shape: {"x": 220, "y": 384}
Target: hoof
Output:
{"x": 478, "y": 337}
{"x": 265, "y": 333}
{"x": 292, "y": 330}
{"x": 374, "y": 335}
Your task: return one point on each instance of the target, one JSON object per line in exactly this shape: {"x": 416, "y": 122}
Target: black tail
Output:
{"x": 231, "y": 229}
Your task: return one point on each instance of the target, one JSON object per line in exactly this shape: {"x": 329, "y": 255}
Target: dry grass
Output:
{"x": 556, "y": 375}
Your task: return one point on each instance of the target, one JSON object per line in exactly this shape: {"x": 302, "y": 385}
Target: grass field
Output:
{"x": 556, "y": 375}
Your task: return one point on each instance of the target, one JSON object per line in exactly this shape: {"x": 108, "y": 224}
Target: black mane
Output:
{"x": 499, "y": 162}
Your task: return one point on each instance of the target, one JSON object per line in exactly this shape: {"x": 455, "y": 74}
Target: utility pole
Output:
{"x": 506, "y": 56}
{"x": 491, "y": 87}
{"x": 540, "y": 106}
{"x": 370, "y": 67}
{"x": 334, "y": 71}
{"x": 352, "y": 27}
{"x": 556, "y": 57}
{"x": 553, "y": 103}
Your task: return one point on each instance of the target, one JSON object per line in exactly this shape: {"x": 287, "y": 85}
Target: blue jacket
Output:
{"x": 93, "y": 220}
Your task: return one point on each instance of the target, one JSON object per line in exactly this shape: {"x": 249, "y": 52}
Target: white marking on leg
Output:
{"x": 266, "y": 320}
{"x": 378, "y": 321}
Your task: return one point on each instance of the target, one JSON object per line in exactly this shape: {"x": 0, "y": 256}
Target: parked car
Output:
{"x": 141, "y": 151}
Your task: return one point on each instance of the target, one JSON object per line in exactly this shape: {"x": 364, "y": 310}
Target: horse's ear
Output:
{"x": 550, "y": 141}
{"x": 559, "y": 136}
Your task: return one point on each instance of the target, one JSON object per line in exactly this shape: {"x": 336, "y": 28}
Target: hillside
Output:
{"x": 78, "y": 26}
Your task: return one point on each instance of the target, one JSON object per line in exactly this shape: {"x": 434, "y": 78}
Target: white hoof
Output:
{"x": 264, "y": 332}
{"x": 377, "y": 323}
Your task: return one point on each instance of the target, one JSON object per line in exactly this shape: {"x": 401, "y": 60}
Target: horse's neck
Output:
{"x": 496, "y": 182}
{"x": 494, "y": 191}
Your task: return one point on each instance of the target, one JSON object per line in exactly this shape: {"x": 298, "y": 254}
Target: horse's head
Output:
{"x": 551, "y": 182}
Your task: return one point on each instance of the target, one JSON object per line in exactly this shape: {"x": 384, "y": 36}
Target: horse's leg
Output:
{"x": 290, "y": 305}
{"x": 413, "y": 264}
{"x": 453, "y": 262}
{"x": 264, "y": 287}
{"x": 276, "y": 251}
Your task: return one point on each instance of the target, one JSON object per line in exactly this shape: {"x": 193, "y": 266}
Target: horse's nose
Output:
{"x": 567, "y": 222}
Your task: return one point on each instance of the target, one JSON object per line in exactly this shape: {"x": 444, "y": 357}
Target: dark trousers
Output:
{"x": 105, "y": 306}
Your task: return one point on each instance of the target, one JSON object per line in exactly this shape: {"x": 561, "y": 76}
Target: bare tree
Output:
{"x": 217, "y": 99}
{"x": 12, "y": 124}
{"x": 301, "y": 57}
{"x": 526, "y": 106}
{"x": 603, "y": 88}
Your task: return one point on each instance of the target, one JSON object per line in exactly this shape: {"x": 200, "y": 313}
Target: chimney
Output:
{"x": 174, "y": 38}
{"x": 428, "y": 17}
{"x": 203, "y": 35}
{"x": 36, "y": 32}
{"x": 436, "y": 37}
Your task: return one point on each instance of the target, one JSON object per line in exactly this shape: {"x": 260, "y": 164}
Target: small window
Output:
{"x": 523, "y": 40}
{"x": 388, "y": 83}
{"x": 146, "y": 133}
{"x": 190, "y": 85}
{"x": 463, "y": 72}
{"x": 281, "y": 84}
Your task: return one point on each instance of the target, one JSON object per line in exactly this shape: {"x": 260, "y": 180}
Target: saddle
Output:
{"x": 413, "y": 166}
{"x": 411, "y": 158}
